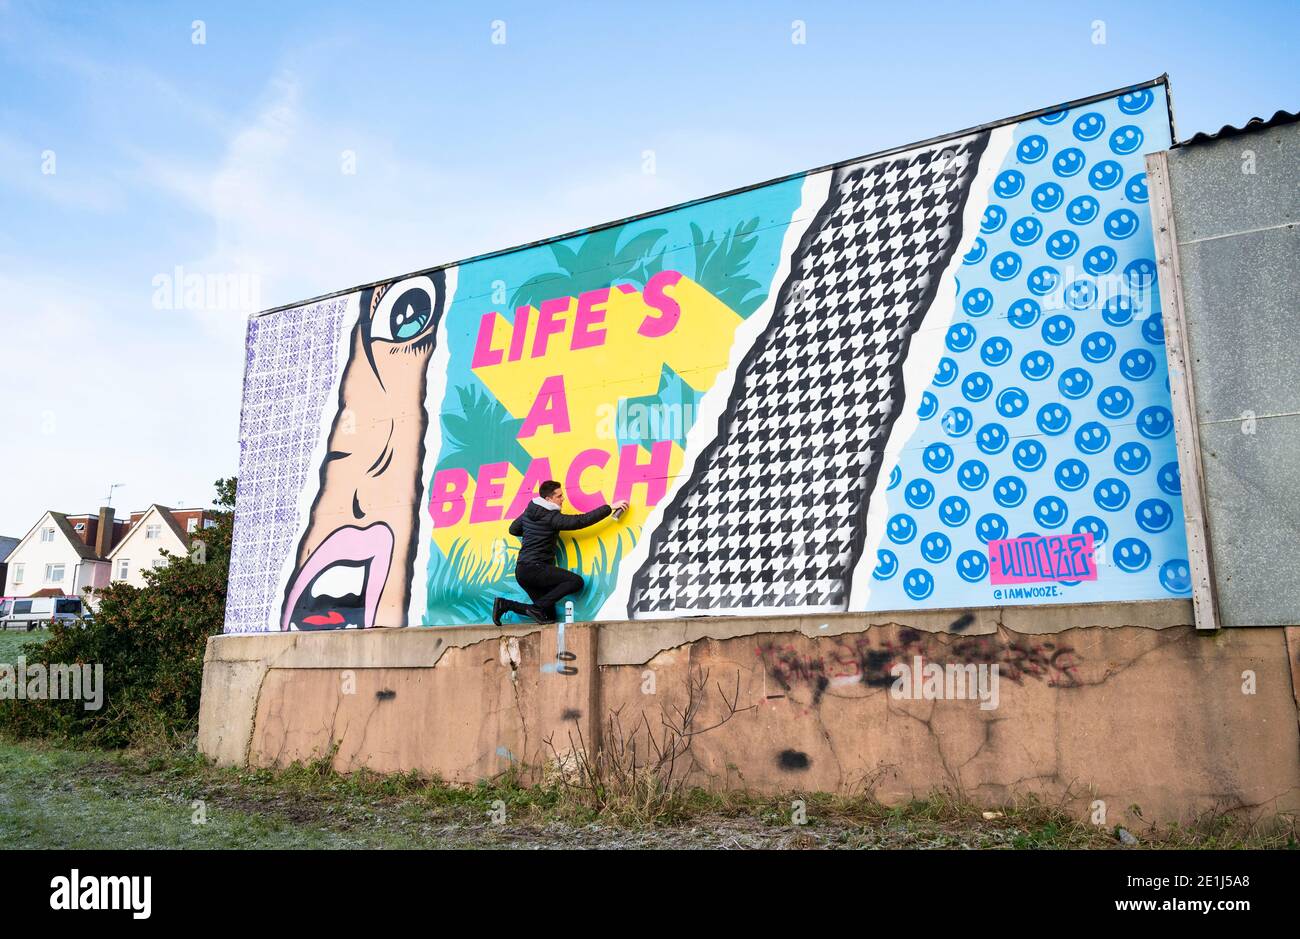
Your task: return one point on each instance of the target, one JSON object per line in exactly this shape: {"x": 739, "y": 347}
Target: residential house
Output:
{"x": 63, "y": 554}
{"x": 7, "y": 546}
{"x": 153, "y": 531}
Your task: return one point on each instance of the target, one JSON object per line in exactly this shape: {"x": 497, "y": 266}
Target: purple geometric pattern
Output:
{"x": 289, "y": 372}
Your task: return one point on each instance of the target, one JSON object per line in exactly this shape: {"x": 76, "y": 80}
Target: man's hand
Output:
{"x": 619, "y": 506}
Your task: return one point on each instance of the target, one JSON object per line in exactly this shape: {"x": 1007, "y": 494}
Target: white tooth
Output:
{"x": 340, "y": 580}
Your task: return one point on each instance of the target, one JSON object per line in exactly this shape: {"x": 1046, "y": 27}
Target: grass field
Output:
{"x": 57, "y": 796}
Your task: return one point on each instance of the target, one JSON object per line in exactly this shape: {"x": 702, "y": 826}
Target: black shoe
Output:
{"x": 499, "y": 609}
{"x": 539, "y": 615}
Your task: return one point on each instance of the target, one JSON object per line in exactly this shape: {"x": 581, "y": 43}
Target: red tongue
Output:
{"x": 333, "y": 619}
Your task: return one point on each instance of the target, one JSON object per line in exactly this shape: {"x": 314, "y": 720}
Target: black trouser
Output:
{"x": 547, "y": 584}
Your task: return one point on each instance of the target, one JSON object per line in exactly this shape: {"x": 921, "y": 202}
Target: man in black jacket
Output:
{"x": 539, "y": 528}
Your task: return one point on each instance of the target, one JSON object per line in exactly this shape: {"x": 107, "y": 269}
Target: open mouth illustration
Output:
{"x": 339, "y": 586}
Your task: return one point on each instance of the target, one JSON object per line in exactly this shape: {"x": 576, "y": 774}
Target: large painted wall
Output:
{"x": 933, "y": 378}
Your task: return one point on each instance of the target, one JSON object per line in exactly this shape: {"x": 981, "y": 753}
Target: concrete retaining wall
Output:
{"x": 1124, "y": 703}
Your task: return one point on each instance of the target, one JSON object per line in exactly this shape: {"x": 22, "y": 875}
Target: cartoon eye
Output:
{"x": 407, "y": 309}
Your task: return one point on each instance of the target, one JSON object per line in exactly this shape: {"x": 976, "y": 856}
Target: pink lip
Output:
{"x": 373, "y": 543}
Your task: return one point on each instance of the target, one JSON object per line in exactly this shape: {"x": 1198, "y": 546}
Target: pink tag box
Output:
{"x": 1041, "y": 558}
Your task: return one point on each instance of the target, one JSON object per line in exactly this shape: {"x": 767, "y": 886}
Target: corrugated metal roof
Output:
{"x": 1254, "y": 124}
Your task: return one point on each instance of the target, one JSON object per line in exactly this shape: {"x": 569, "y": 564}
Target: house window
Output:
{"x": 54, "y": 573}
{"x": 81, "y": 526}
{"x": 151, "y": 532}
{"x": 123, "y": 568}
{"x": 159, "y": 562}
{"x": 18, "y": 574}
{"x": 209, "y": 523}
{"x": 192, "y": 525}
{"x": 47, "y": 534}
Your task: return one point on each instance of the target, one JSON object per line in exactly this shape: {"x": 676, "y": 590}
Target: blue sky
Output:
{"x": 127, "y": 150}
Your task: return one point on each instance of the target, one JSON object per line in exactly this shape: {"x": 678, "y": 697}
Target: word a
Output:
{"x": 103, "y": 893}
{"x": 934, "y": 682}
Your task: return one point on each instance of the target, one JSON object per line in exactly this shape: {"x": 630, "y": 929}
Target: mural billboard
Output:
{"x": 929, "y": 378}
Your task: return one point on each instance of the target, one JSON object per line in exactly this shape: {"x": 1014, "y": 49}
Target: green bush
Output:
{"x": 150, "y": 642}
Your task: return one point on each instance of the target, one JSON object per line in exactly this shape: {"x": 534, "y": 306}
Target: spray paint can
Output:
{"x": 568, "y": 611}
{"x": 618, "y": 513}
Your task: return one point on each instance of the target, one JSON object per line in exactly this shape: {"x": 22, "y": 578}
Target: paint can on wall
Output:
{"x": 568, "y": 611}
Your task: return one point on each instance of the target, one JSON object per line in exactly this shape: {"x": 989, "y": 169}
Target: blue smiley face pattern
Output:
{"x": 1049, "y": 412}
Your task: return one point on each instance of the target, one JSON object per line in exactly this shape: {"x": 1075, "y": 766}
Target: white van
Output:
{"x": 29, "y": 613}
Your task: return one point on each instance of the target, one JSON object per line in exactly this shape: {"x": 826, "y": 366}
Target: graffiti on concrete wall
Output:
{"x": 933, "y": 378}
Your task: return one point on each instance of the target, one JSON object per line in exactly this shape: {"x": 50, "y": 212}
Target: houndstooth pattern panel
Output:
{"x": 773, "y": 515}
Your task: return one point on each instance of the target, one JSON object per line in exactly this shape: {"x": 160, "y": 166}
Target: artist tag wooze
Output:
{"x": 1038, "y": 558}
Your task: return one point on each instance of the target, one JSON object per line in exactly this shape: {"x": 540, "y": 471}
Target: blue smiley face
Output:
{"x": 1111, "y": 494}
{"x": 1072, "y": 475}
{"x": 972, "y": 475}
{"x": 1097, "y": 347}
{"x": 1137, "y": 365}
{"x": 1081, "y": 294}
{"x": 1009, "y": 184}
{"x": 1058, "y": 330}
{"x": 1009, "y": 492}
{"x": 886, "y": 564}
{"x": 929, "y": 406}
{"x": 1090, "y": 126}
{"x": 935, "y": 547}
{"x": 1132, "y": 458}
{"x": 972, "y": 566}
{"x": 919, "y": 493}
{"x": 1121, "y": 224}
{"x": 1054, "y": 118}
{"x": 1153, "y": 515}
{"x": 1135, "y": 190}
{"x": 976, "y": 386}
{"x": 1153, "y": 330}
{"x": 1091, "y": 438}
{"x": 895, "y": 477}
{"x": 1074, "y": 383}
{"x": 1025, "y": 231}
{"x": 1051, "y": 512}
{"x": 954, "y": 511}
{"x": 1092, "y": 525}
{"x": 1047, "y": 197}
{"x": 1115, "y": 402}
{"x": 946, "y": 373}
{"x": 1068, "y": 162}
{"x": 995, "y": 351}
{"x": 1140, "y": 274}
{"x": 918, "y": 584}
{"x": 1131, "y": 555}
{"x": 1135, "y": 102}
{"x": 1043, "y": 280}
{"x": 900, "y": 528}
{"x": 1100, "y": 260}
{"x": 1053, "y": 419}
{"x": 994, "y": 218}
{"x": 1105, "y": 175}
{"x": 957, "y": 422}
{"x": 1124, "y": 140}
{"x": 1029, "y": 455}
{"x": 977, "y": 302}
{"x": 960, "y": 337}
{"x": 1176, "y": 576}
{"x": 1005, "y": 266}
{"x": 991, "y": 527}
{"x": 1117, "y": 311}
{"x": 1062, "y": 244}
{"x": 1082, "y": 210}
{"x": 1154, "y": 422}
{"x": 937, "y": 457}
{"x": 1036, "y": 365}
{"x": 1032, "y": 149}
{"x": 1024, "y": 313}
{"x": 976, "y": 252}
{"x": 1167, "y": 478}
{"x": 1012, "y": 402}
{"x": 992, "y": 438}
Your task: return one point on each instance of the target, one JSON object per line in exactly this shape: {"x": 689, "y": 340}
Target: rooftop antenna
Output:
{"x": 109, "y": 502}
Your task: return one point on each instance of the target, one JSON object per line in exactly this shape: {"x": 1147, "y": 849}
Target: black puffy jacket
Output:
{"x": 540, "y": 528}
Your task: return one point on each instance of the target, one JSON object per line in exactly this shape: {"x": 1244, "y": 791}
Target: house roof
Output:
{"x": 166, "y": 515}
{"x": 7, "y": 546}
{"x": 1252, "y": 125}
{"x": 85, "y": 551}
